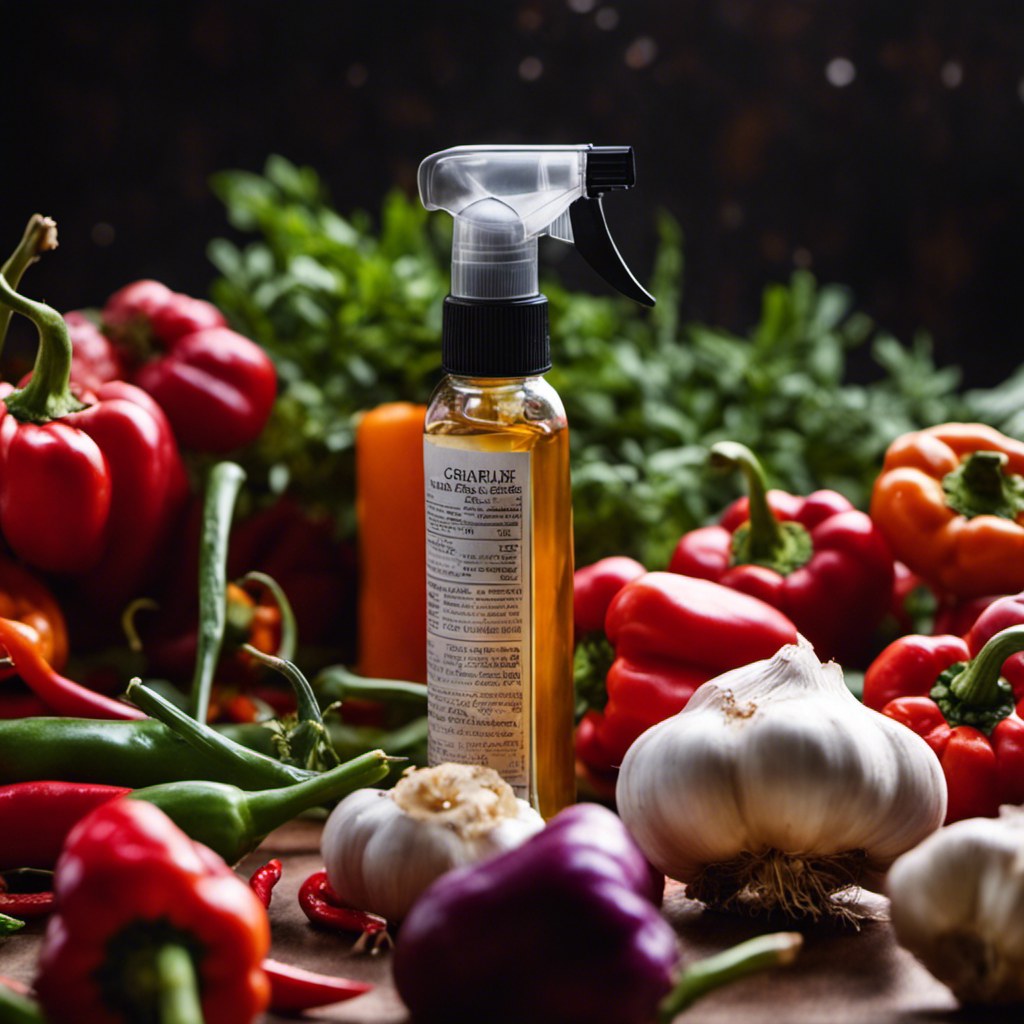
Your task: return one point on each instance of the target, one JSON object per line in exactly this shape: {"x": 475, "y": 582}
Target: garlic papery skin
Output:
{"x": 775, "y": 788}
{"x": 382, "y": 848}
{"x": 957, "y": 903}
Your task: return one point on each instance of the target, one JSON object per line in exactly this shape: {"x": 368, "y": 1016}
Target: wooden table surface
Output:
{"x": 845, "y": 977}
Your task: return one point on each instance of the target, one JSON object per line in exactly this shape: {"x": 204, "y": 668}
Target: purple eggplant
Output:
{"x": 564, "y": 928}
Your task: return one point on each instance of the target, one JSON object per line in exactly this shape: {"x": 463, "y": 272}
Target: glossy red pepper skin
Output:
{"x": 216, "y": 386}
{"x": 55, "y": 492}
{"x": 84, "y": 476}
{"x": 64, "y": 696}
{"x": 982, "y": 772}
{"x": 102, "y": 485}
{"x": 36, "y": 817}
{"x": 94, "y": 360}
{"x": 321, "y": 905}
{"x": 997, "y": 615}
{"x": 983, "y": 769}
{"x": 263, "y": 880}
{"x": 910, "y": 667}
{"x": 836, "y": 599}
{"x": 671, "y": 633}
{"x": 128, "y": 877}
{"x": 595, "y": 585}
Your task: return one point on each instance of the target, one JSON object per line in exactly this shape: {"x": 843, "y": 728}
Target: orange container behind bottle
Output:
{"x": 392, "y": 543}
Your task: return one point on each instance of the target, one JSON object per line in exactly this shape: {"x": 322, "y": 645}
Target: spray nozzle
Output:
{"x": 504, "y": 197}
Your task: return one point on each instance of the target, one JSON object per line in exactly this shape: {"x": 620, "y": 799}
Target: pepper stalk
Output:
{"x": 974, "y": 692}
{"x": 764, "y": 540}
{"x": 40, "y": 236}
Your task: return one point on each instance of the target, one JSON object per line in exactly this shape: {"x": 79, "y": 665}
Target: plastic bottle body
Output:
{"x": 499, "y": 583}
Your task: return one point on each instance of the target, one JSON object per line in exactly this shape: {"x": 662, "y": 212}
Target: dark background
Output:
{"x": 877, "y": 143}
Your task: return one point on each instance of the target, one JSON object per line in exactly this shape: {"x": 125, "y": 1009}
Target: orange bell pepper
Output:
{"x": 26, "y": 599}
{"x": 950, "y": 502}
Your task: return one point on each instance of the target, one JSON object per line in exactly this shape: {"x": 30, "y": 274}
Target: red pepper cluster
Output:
{"x": 828, "y": 570}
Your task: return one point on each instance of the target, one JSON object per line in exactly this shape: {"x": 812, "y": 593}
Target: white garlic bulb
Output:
{"x": 957, "y": 903}
{"x": 775, "y": 788}
{"x": 382, "y": 848}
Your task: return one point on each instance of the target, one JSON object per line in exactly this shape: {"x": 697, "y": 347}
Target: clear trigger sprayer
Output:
{"x": 496, "y": 461}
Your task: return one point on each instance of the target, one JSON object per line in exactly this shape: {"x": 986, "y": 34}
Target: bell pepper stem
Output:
{"x": 271, "y": 808}
{"x": 209, "y": 741}
{"x": 224, "y": 483}
{"x": 763, "y": 540}
{"x": 977, "y": 684}
{"x": 47, "y": 396}
{"x": 758, "y": 954}
{"x": 980, "y": 485}
{"x": 177, "y": 987}
{"x": 40, "y": 236}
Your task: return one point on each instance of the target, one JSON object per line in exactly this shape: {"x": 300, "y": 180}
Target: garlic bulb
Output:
{"x": 957, "y": 903}
{"x": 775, "y": 788}
{"x": 382, "y": 848}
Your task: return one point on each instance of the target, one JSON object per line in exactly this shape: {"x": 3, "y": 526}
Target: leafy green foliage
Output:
{"x": 351, "y": 313}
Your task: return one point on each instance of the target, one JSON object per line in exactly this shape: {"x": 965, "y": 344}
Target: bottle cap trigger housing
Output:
{"x": 502, "y": 199}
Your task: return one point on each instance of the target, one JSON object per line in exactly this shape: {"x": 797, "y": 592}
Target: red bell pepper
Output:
{"x": 216, "y": 386}
{"x": 594, "y": 586}
{"x": 671, "y": 633}
{"x": 85, "y": 477}
{"x": 94, "y": 360}
{"x": 816, "y": 558}
{"x": 909, "y": 666}
{"x": 143, "y": 914}
{"x": 963, "y": 709}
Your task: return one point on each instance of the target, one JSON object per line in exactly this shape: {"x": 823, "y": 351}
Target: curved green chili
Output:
{"x": 225, "y": 481}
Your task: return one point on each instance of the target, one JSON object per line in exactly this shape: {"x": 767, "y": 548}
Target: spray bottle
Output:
{"x": 496, "y": 461}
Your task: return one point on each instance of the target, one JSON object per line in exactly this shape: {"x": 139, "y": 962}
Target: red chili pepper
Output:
{"x": 963, "y": 709}
{"x": 294, "y": 988}
{"x": 816, "y": 558}
{"x": 320, "y": 903}
{"x": 264, "y": 879}
{"x": 216, "y": 386}
{"x": 36, "y": 817}
{"x": 64, "y": 696}
{"x": 85, "y": 477}
{"x": 26, "y": 904}
{"x": 671, "y": 633}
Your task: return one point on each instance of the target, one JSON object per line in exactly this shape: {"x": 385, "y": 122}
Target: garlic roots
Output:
{"x": 775, "y": 789}
{"x": 382, "y": 848}
{"x": 957, "y": 903}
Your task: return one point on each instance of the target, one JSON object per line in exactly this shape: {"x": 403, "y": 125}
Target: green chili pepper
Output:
{"x": 233, "y": 822}
{"x": 9, "y": 924}
{"x": 225, "y": 481}
{"x": 132, "y": 754}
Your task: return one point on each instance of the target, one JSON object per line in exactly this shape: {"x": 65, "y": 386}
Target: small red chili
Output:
{"x": 295, "y": 988}
{"x": 36, "y": 817}
{"x": 64, "y": 696}
{"x": 264, "y": 879}
{"x": 25, "y": 904}
{"x": 322, "y": 905}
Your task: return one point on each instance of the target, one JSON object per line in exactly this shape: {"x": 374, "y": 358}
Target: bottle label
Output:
{"x": 479, "y": 636}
